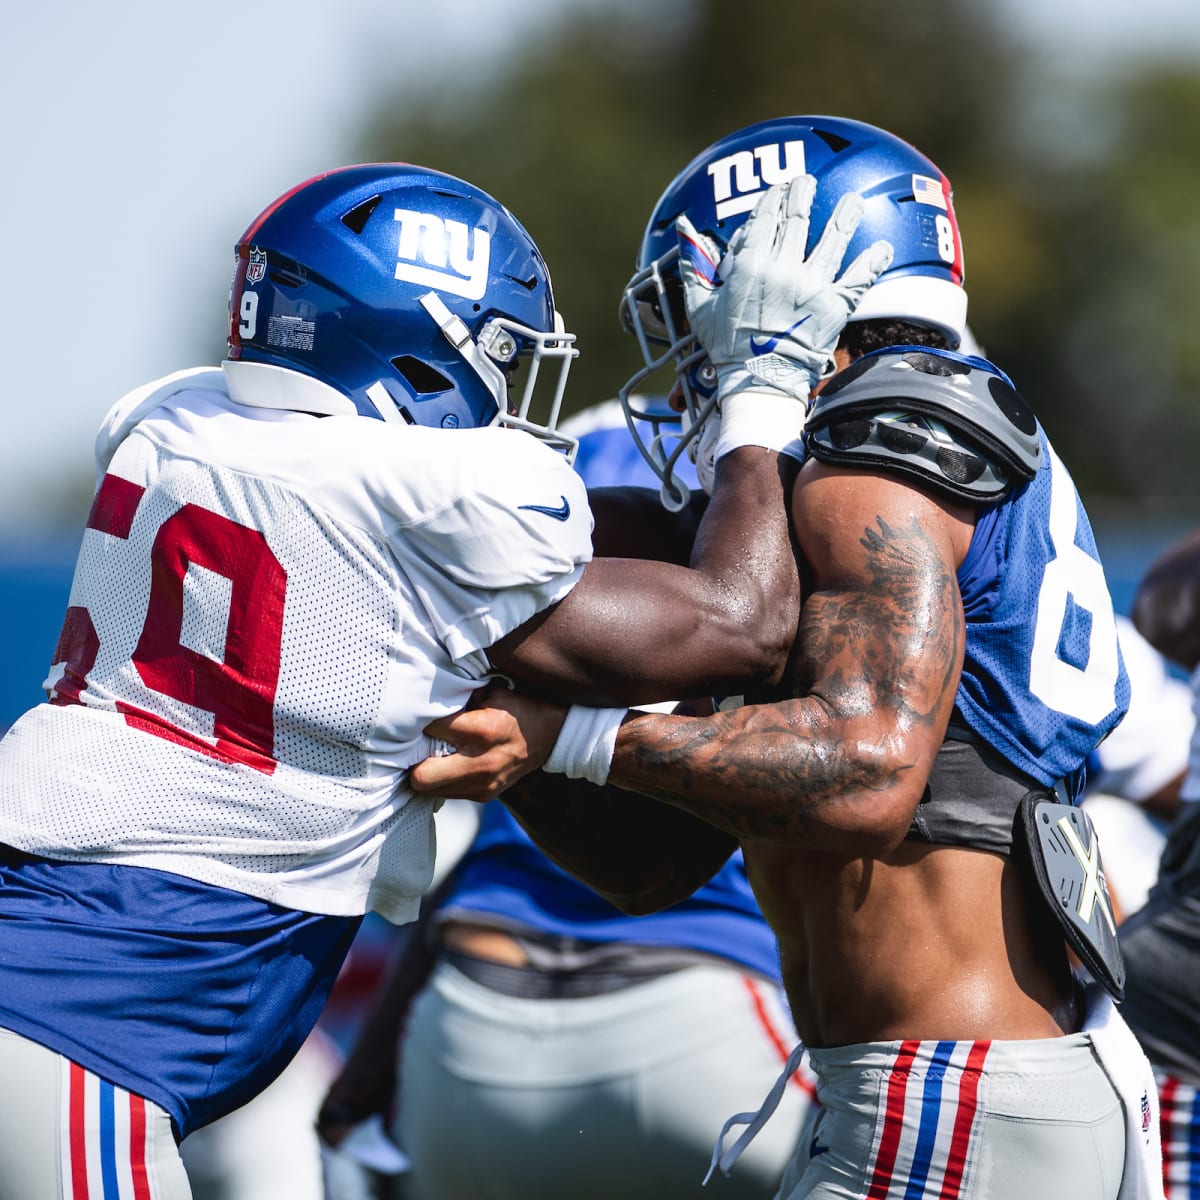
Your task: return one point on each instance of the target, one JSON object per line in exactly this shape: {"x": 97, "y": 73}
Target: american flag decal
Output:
{"x": 927, "y": 190}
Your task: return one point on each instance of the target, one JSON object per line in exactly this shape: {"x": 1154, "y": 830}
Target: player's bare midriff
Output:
{"x": 929, "y": 942}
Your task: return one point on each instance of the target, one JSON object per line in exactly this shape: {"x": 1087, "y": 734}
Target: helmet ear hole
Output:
{"x": 421, "y": 377}
{"x": 356, "y": 219}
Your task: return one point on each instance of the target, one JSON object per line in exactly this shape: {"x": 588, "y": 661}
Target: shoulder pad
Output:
{"x": 951, "y": 421}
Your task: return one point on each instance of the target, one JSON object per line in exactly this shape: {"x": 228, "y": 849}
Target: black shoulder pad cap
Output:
{"x": 954, "y": 422}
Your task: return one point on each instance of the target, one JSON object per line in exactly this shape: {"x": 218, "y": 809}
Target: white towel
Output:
{"x": 1127, "y": 1067}
{"x": 142, "y": 401}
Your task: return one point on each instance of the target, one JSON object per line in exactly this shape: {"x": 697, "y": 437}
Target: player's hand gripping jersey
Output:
{"x": 268, "y": 608}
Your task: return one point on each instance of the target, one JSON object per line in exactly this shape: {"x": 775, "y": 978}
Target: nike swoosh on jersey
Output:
{"x": 559, "y": 514}
{"x": 816, "y": 1148}
{"x": 766, "y": 345}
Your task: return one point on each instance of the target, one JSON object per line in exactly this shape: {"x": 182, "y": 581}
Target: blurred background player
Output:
{"x": 1161, "y": 941}
{"x": 560, "y": 1048}
{"x": 1135, "y": 776}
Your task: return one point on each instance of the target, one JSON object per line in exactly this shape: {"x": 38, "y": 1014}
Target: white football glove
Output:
{"x": 768, "y": 317}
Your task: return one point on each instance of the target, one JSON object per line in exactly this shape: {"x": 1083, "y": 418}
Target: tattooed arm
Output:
{"x": 840, "y": 766}
{"x": 843, "y": 765}
{"x": 640, "y": 855}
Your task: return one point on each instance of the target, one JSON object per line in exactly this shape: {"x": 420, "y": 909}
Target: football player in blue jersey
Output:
{"x": 562, "y": 1048}
{"x": 908, "y": 806}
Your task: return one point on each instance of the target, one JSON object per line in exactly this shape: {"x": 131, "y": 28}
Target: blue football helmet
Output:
{"x": 414, "y": 294}
{"x": 907, "y": 202}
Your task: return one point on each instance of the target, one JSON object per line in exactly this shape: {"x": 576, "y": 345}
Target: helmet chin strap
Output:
{"x": 384, "y": 403}
{"x": 703, "y": 447}
{"x": 455, "y": 330}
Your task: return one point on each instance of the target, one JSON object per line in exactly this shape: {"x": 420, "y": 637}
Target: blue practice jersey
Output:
{"x": 503, "y": 875}
{"x": 197, "y": 1006}
{"x": 1044, "y": 691}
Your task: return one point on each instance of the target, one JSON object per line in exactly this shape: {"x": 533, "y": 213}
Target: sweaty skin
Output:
{"x": 879, "y": 938}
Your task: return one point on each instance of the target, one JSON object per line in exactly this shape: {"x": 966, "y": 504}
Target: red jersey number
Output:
{"x": 239, "y": 689}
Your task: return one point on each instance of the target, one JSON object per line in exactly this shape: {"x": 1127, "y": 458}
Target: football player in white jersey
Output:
{"x": 293, "y": 563}
{"x": 907, "y": 804}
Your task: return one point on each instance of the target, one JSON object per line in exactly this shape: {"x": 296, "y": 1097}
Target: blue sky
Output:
{"x": 141, "y": 137}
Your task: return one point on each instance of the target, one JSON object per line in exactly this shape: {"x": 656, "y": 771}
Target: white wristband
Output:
{"x": 761, "y": 416}
{"x": 586, "y": 743}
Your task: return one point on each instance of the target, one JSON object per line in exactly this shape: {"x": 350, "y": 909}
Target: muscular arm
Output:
{"x": 635, "y": 630}
{"x": 877, "y": 662}
{"x": 639, "y": 854}
{"x": 843, "y": 764}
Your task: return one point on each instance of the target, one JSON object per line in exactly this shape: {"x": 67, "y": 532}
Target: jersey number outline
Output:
{"x": 1089, "y": 693}
{"x": 238, "y": 690}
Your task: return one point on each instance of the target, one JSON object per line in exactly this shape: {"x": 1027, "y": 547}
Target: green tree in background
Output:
{"x": 1081, "y": 251}
{"x": 1106, "y": 325}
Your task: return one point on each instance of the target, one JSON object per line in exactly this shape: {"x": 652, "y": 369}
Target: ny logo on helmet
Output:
{"x": 739, "y": 178}
{"x": 438, "y": 253}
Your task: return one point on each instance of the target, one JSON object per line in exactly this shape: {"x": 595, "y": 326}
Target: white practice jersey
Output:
{"x": 268, "y": 608}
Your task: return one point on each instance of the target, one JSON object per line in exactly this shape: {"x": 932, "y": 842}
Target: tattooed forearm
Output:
{"x": 875, "y": 670}
{"x": 761, "y": 772}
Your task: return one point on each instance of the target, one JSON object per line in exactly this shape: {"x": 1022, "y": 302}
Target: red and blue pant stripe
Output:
{"x": 1179, "y": 1122}
{"x": 106, "y": 1142}
{"x": 932, "y": 1101}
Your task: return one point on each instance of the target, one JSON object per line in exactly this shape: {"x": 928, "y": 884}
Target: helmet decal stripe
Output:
{"x": 700, "y": 259}
{"x": 267, "y": 212}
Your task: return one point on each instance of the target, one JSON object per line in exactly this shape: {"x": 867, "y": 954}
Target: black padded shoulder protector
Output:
{"x": 953, "y": 422}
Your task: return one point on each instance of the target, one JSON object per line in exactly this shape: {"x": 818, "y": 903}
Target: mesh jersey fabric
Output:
{"x": 267, "y": 610}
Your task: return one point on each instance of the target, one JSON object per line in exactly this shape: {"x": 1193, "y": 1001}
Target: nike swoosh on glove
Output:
{"x": 764, "y": 297}
{"x": 769, "y": 317}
